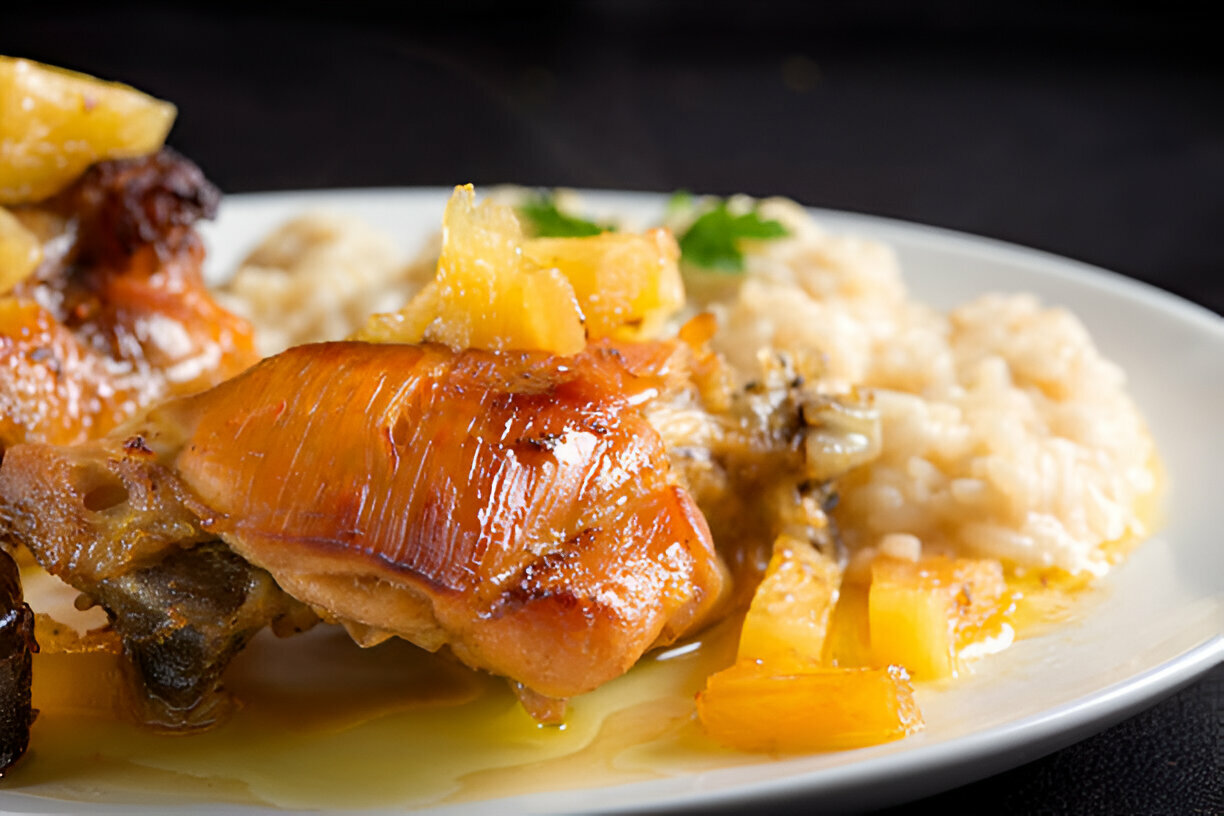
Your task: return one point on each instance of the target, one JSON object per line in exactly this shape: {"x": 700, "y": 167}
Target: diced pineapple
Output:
{"x": 849, "y": 640}
{"x": 409, "y": 324}
{"x": 921, "y": 614}
{"x": 489, "y": 296}
{"x": 911, "y": 626}
{"x": 778, "y": 696}
{"x": 55, "y": 123}
{"x": 789, "y": 615}
{"x": 627, "y": 284}
{"x": 495, "y": 289}
{"x": 754, "y": 708}
{"x": 485, "y": 294}
{"x": 20, "y": 251}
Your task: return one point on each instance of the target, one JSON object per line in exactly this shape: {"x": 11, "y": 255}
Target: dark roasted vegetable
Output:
{"x": 16, "y": 644}
{"x": 181, "y": 620}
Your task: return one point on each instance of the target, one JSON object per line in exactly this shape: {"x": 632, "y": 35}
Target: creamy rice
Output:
{"x": 318, "y": 277}
{"x": 1005, "y": 433}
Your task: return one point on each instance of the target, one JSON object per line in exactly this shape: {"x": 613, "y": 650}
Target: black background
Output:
{"x": 1083, "y": 129}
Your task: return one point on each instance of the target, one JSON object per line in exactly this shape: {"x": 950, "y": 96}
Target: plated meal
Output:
{"x": 561, "y": 488}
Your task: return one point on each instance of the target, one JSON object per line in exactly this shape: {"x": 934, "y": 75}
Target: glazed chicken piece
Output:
{"x": 515, "y": 506}
{"x": 116, "y": 316}
{"x": 118, "y": 527}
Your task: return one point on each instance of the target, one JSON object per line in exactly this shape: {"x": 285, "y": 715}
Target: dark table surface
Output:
{"x": 1079, "y": 129}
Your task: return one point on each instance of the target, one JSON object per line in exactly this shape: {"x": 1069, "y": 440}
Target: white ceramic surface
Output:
{"x": 1158, "y": 626}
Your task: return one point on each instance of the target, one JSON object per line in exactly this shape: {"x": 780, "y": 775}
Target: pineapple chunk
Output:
{"x": 910, "y": 625}
{"x": 20, "y": 251}
{"x": 496, "y": 289}
{"x": 627, "y": 284}
{"x": 752, "y": 707}
{"x": 789, "y": 615}
{"x": 488, "y": 296}
{"x": 778, "y": 697}
{"x": 849, "y": 639}
{"x": 485, "y": 294}
{"x": 55, "y": 123}
{"x": 921, "y": 614}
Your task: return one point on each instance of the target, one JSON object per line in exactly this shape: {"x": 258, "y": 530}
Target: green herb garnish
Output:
{"x": 713, "y": 240}
{"x": 679, "y": 202}
{"x": 546, "y": 221}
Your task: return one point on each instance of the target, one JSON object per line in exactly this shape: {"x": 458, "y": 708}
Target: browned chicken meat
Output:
{"x": 114, "y": 318}
{"x": 117, "y": 315}
{"x": 516, "y": 507}
{"x": 520, "y": 508}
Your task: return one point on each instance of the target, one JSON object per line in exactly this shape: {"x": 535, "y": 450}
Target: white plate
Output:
{"x": 1158, "y": 627}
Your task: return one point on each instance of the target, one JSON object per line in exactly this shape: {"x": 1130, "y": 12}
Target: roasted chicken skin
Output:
{"x": 117, "y": 315}
{"x": 515, "y": 506}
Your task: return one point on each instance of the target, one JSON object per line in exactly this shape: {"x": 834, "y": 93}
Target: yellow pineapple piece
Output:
{"x": 489, "y": 297}
{"x": 752, "y": 707}
{"x": 627, "y": 284}
{"x": 20, "y": 251}
{"x": 409, "y": 324}
{"x": 848, "y": 643}
{"x": 496, "y": 289}
{"x": 789, "y": 615}
{"x": 55, "y": 123}
{"x": 485, "y": 294}
{"x": 921, "y": 614}
{"x": 778, "y": 696}
{"x": 910, "y": 626}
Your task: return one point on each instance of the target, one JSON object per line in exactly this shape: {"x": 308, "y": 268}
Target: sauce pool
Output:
{"x": 325, "y": 724}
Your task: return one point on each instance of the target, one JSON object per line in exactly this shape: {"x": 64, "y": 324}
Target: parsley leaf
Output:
{"x": 713, "y": 240}
{"x": 680, "y": 201}
{"x": 546, "y": 221}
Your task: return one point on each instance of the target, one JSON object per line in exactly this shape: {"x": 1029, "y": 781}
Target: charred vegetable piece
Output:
{"x": 181, "y": 621}
{"x": 16, "y": 644}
